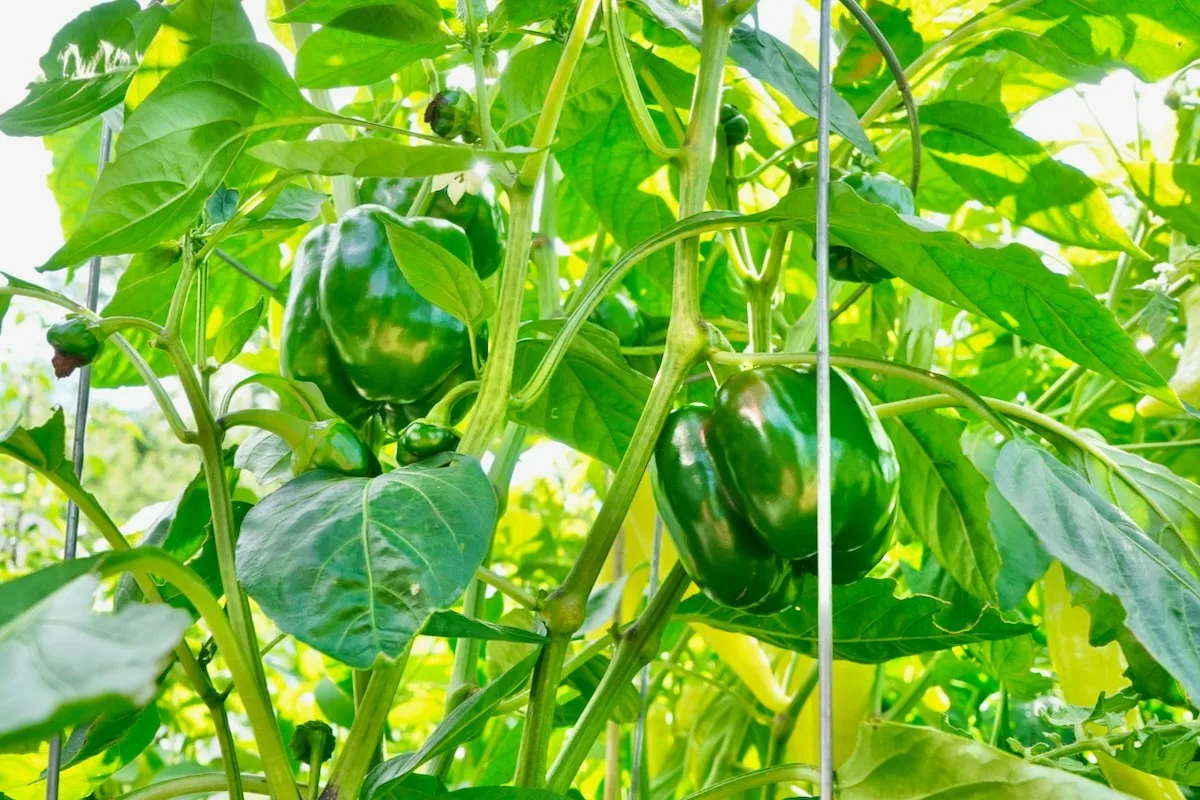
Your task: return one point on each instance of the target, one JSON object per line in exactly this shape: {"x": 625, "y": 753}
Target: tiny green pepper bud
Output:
{"x": 421, "y": 440}
{"x": 312, "y": 739}
{"x": 734, "y": 124}
{"x": 76, "y": 343}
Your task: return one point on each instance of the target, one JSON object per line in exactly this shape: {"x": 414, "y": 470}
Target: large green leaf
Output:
{"x": 1009, "y": 285}
{"x": 378, "y": 158}
{"x": 1086, "y": 39}
{"x": 992, "y": 161}
{"x": 423, "y": 14}
{"x": 770, "y": 60}
{"x": 64, "y": 664}
{"x": 177, "y": 147}
{"x": 870, "y": 624}
{"x": 369, "y": 559}
{"x": 904, "y": 762}
{"x": 369, "y": 43}
{"x": 74, "y": 154}
{"x": 1095, "y": 539}
{"x": 191, "y": 26}
{"x": 84, "y": 73}
{"x": 944, "y": 497}
{"x": 1170, "y": 189}
{"x": 594, "y": 398}
{"x": 439, "y": 276}
{"x": 462, "y": 724}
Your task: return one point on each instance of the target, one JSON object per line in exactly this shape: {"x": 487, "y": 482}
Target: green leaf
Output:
{"x": 266, "y": 456}
{"x": 518, "y": 13}
{"x": 452, "y": 625}
{"x": 870, "y": 624}
{"x": 43, "y": 449}
{"x": 1009, "y": 285}
{"x": 177, "y": 147}
{"x": 422, "y": 14}
{"x": 614, "y": 172}
{"x": 234, "y": 334}
{"x": 594, "y": 398}
{"x": 371, "y": 558}
{"x": 192, "y": 26}
{"x": 1096, "y": 540}
{"x": 124, "y": 735}
{"x": 74, "y": 154}
{"x": 439, "y": 276}
{"x": 770, "y": 60}
{"x": 378, "y": 158}
{"x": 1086, "y": 39}
{"x": 65, "y": 665}
{"x": 904, "y": 762}
{"x": 85, "y": 72}
{"x": 1169, "y": 751}
{"x": 462, "y": 724}
{"x": 943, "y": 497}
{"x": 992, "y": 161}
{"x": 369, "y": 43}
{"x": 294, "y": 206}
{"x": 860, "y": 75}
{"x": 1170, "y": 189}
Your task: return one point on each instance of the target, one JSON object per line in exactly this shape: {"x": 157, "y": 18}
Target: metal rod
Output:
{"x": 824, "y": 461}
{"x": 242, "y": 268}
{"x": 639, "y": 731}
{"x": 82, "y": 399}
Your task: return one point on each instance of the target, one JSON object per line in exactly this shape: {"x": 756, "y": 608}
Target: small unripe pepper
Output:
{"x": 76, "y": 344}
{"x": 734, "y": 125}
{"x": 451, "y": 113}
{"x": 421, "y": 440}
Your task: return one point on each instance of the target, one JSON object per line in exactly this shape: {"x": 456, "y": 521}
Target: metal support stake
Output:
{"x": 639, "y": 731}
{"x": 82, "y": 399}
{"x": 824, "y": 461}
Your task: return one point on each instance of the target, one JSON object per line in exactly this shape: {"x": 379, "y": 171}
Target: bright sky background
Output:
{"x": 29, "y": 217}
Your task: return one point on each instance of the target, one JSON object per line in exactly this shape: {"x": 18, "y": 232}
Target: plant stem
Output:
{"x": 353, "y": 762}
{"x": 507, "y": 588}
{"x": 258, "y": 708}
{"x": 179, "y": 297}
{"x": 547, "y": 255}
{"x": 481, "y": 93}
{"x": 591, "y": 274}
{"x": 1001, "y": 716}
{"x": 761, "y": 287}
{"x": 785, "y": 721}
{"x": 203, "y": 783}
{"x": 1132, "y": 448}
{"x": 916, "y": 689}
{"x": 638, "y": 645}
{"x": 539, "y": 718}
{"x": 209, "y": 435}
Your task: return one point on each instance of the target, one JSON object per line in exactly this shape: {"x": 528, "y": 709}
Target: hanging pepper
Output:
{"x": 76, "y": 344}
{"x": 735, "y": 485}
{"x": 619, "y": 314}
{"x": 358, "y": 329}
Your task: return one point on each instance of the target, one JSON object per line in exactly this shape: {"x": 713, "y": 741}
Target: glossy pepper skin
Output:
{"x": 717, "y": 546}
{"x": 619, "y": 314}
{"x": 478, "y": 215}
{"x": 733, "y": 124}
{"x": 394, "y": 344}
{"x": 737, "y": 484}
{"x": 849, "y": 265}
{"x": 421, "y": 440}
{"x": 333, "y": 445}
{"x": 306, "y": 351}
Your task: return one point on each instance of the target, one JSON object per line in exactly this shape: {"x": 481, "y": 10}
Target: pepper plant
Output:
{"x": 368, "y": 268}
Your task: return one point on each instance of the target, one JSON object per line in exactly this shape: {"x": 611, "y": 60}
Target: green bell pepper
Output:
{"x": 76, "y": 344}
{"x": 736, "y": 486}
{"x": 619, "y": 314}
{"x": 395, "y": 345}
{"x": 477, "y": 214}
{"x": 420, "y": 440}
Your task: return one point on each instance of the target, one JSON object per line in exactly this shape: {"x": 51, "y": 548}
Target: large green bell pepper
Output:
{"x": 477, "y": 214}
{"x": 736, "y": 485}
{"x": 394, "y": 344}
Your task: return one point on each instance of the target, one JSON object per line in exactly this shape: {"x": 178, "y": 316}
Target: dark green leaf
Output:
{"x": 1093, "y": 538}
{"x": 870, "y": 624}
{"x": 594, "y": 398}
{"x": 125, "y": 735}
{"x": 223, "y": 99}
{"x": 1009, "y": 285}
{"x": 770, "y": 60}
{"x": 371, "y": 558}
{"x": 439, "y": 276}
{"x": 903, "y": 762}
{"x": 462, "y": 724}
{"x": 452, "y": 625}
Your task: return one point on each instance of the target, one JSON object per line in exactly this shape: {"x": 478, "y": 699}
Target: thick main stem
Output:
{"x": 354, "y": 761}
